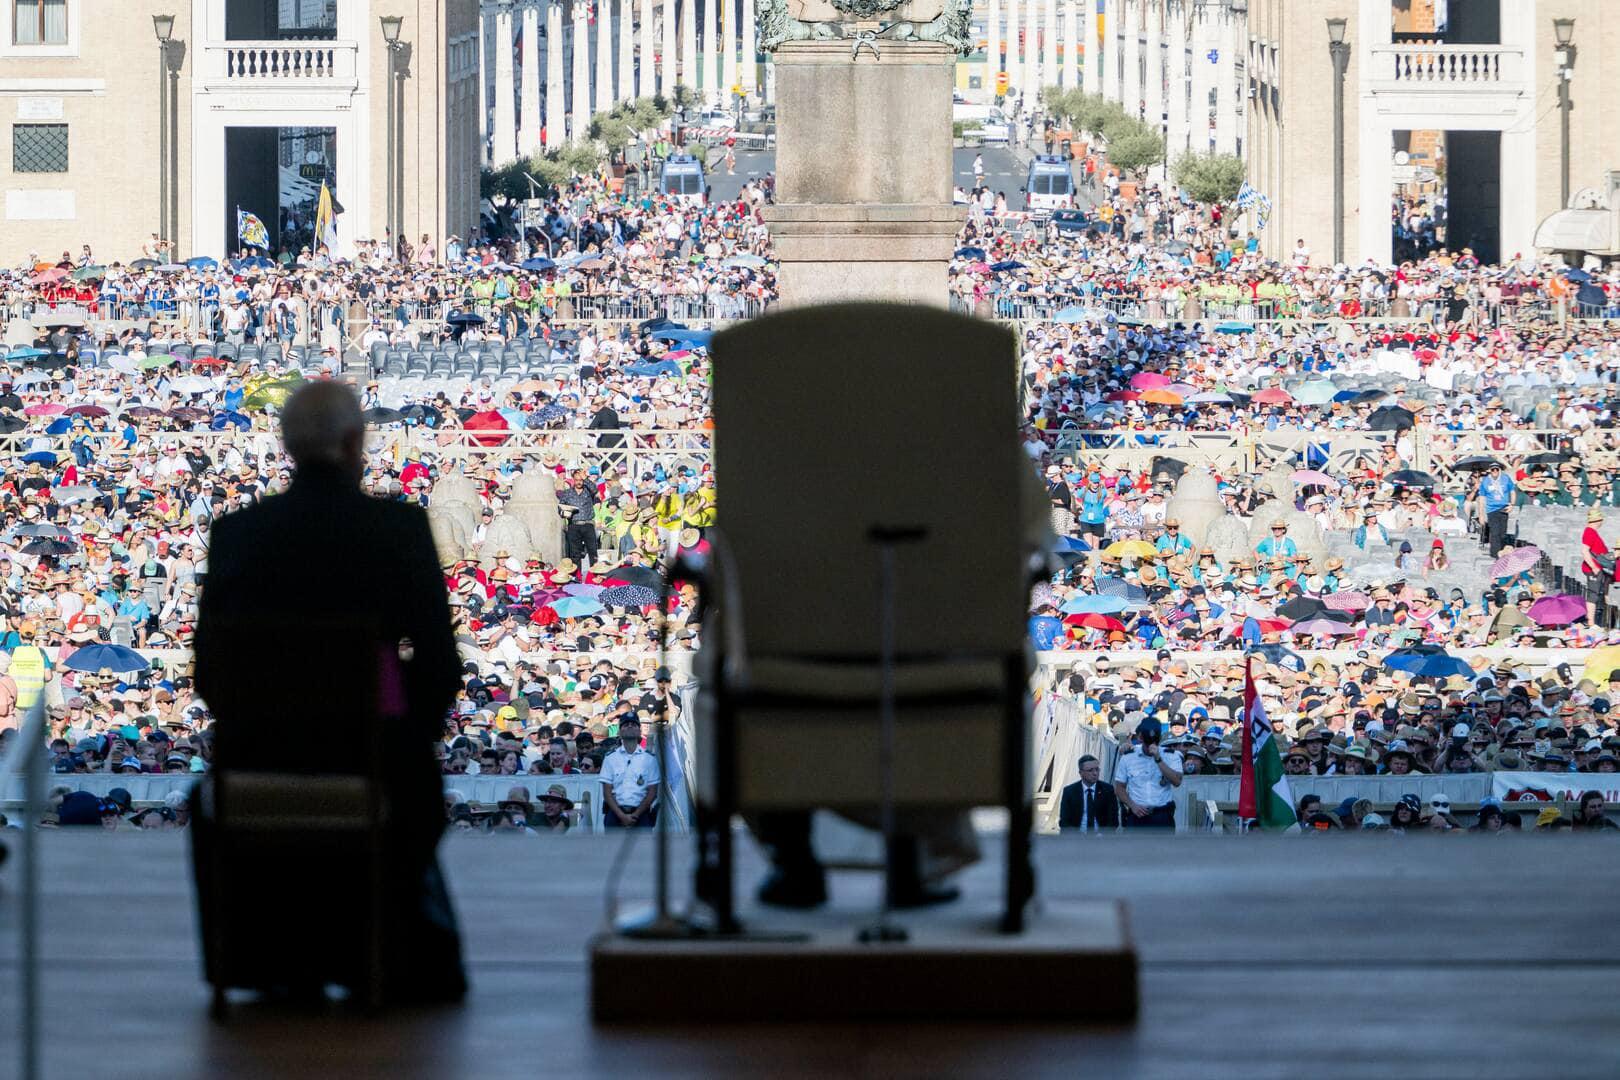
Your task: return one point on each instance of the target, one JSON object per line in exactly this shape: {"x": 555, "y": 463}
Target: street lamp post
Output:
{"x": 391, "y": 25}
{"x": 1339, "y": 53}
{"x": 163, "y": 27}
{"x": 1564, "y": 34}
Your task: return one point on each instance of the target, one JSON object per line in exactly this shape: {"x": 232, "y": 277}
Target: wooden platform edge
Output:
{"x": 1035, "y": 977}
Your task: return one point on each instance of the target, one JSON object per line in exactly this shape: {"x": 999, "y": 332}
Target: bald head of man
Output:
{"x": 322, "y": 428}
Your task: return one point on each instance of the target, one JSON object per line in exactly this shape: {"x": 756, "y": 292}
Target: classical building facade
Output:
{"x": 249, "y": 104}
{"x": 1463, "y": 94}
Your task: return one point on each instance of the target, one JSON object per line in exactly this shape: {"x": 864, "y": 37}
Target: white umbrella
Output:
{"x": 192, "y": 384}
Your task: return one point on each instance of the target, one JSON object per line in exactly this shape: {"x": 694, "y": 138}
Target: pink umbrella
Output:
{"x": 1311, "y": 476}
{"x": 1514, "y": 562}
{"x": 1184, "y": 389}
{"x": 46, "y": 408}
{"x": 1558, "y": 610}
{"x": 49, "y": 277}
{"x": 1349, "y": 600}
{"x": 1149, "y": 380}
{"x": 1272, "y": 396}
{"x": 1322, "y": 626}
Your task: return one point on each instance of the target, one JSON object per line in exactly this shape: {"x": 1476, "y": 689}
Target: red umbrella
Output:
{"x": 1094, "y": 620}
{"x": 488, "y": 421}
{"x": 207, "y": 361}
{"x": 1271, "y": 626}
{"x": 86, "y": 410}
{"x": 1149, "y": 380}
{"x": 1122, "y": 395}
{"x": 1273, "y": 396}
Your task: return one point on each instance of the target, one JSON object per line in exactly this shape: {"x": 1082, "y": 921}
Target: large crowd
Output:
{"x": 1138, "y": 332}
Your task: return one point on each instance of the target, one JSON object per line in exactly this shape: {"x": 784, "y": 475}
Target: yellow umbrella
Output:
{"x": 1601, "y": 664}
{"x": 1127, "y": 549}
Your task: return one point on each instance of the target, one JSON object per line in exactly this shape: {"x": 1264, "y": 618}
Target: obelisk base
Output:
{"x": 830, "y": 253}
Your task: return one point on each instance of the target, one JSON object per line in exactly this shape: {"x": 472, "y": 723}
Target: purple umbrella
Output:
{"x": 1349, "y": 600}
{"x": 1558, "y": 610}
{"x": 591, "y": 591}
{"x": 1321, "y": 626}
{"x": 1311, "y": 476}
{"x": 1516, "y": 561}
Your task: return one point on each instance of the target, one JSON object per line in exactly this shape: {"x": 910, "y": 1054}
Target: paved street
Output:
{"x": 1001, "y": 166}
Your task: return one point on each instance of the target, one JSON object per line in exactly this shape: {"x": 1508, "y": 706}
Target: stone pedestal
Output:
{"x": 863, "y": 190}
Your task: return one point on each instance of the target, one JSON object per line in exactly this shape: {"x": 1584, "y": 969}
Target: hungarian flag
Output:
{"x": 1263, "y": 792}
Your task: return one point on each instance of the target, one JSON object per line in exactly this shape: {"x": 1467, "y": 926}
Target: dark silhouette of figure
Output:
{"x": 300, "y": 560}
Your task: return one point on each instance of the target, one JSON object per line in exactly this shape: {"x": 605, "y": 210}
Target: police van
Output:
{"x": 682, "y": 179}
{"x": 1050, "y": 185}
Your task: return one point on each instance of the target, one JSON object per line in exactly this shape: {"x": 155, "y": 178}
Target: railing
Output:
{"x": 267, "y": 64}
{"x": 1424, "y": 66}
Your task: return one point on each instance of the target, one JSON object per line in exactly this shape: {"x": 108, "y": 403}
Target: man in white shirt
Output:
{"x": 1145, "y": 781}
{"x": 630, "y": 780}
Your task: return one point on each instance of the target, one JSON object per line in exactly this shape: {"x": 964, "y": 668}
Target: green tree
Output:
{"x": 612, "y": 131}
{"x": 504, "y": 184}
{"x": 1209, "y": 178}
{"x": 1134, "y": 146}
{"x": 685, "y": 96}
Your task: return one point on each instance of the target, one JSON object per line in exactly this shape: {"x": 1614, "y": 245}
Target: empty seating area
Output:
{"x": 482, "y": 359}
{"x": 1557, "y": 530}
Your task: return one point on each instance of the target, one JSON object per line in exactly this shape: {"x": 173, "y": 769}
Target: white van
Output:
{"x": 682, "y": 179}
{"x": 1050, "y": 184}
{"x": 986, "y": 121}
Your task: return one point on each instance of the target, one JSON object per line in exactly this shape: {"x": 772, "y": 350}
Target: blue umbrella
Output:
{"x": 1044, "y": 631}
{"x": 225, "y": 419}
{"x": 1234, "y": 327}
{"x": 1113, "y": 586}
{"x": 28, "y": 352}
{"x": 537, "y": 264}
{"x": 628, "y": 596}
{"x": 40, "y": 457}
{"x": 1346, "y": 395}
{"x": 1280, "y": 656}
{"x": 1209, "y": 398}
{"x": 202, "y": 262}
{"x": 1316, "y": 393}
{"x": 573, "y": 607}
{"x": 1428, "y": 661}
{"x": 1070, "y": 543}
{"x": 969, "y": 253}
{"x": 1006, "y": 265}
{"x": 1074, "y": 313}
{"x": 698, "y": 338}
{"x": 1095, "y": 605}
{"x": 1577, "y": 275}
{"x": 60, "y": 426}
{"x": 653, "y": 370}
{"x": 106, "y": 658}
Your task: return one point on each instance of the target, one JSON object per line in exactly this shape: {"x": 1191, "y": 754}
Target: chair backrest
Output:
{"x": 831, "y": 420}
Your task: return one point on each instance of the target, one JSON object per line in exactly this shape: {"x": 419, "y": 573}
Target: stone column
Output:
{"x": 1176, "y": 13}
{"x": 1091, "y": 50}
{"x": 1049, "y": 45}
{"x": 1032, "y": 53}
{"x": 1071, "y": 44}
{"x": 1015, "y": 69}
{"x": 689, "y": 63}
{"x": 626, "y": 29}
{"x": 668, "y": 49}
{"x": 1153, "y": 50}
{"x": 646, "y": 60}
{"x": 728, "y": 50}
{"x": 710, "y": 87}
{"x": 505, "y": 148}
{"x": 580, "y": 44}
{"x": 556, "y": 114}
{"x": 750, "y": 50}
{"x": 992, "y": 49}
{"x": 1204, "y": 40}
{"x": 604, "y": 56}
{"x": 485, "y": 24}
{"x": 529, "y": 105}
{"x": 863, "y": 166}
{"x": 1130, "y": 73}
{"x": 1226, "y": 89}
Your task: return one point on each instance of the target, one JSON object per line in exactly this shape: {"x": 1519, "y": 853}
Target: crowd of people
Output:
{"x": 123, "y": 449}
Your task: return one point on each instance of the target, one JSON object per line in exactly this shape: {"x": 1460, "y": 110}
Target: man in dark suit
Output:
{"x": 324, "y": 607}
{"x": 1089, "y": 805}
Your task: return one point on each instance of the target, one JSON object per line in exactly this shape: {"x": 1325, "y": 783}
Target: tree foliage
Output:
{"x": 1209, "y": 178}
{"x": 556, "y": 167}
{"x": 1134, "y": 146}
{"x": 504, "y": 183}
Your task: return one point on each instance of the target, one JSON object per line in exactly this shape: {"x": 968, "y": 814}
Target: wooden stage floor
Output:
{"x": 1350, "y": 957}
